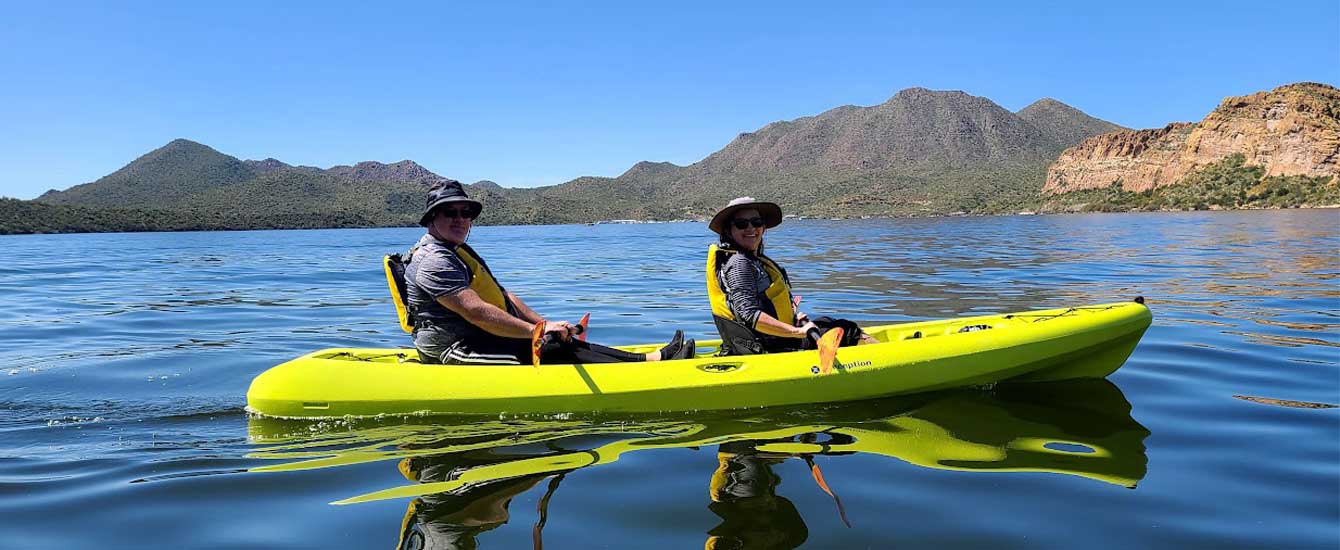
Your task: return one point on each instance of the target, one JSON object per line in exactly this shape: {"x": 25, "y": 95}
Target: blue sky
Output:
{"x": 538, "y": 93}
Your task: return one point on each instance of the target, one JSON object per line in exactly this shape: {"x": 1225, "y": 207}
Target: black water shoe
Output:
{"x": 689, "y": 350}
{"x": 671, "y": 350}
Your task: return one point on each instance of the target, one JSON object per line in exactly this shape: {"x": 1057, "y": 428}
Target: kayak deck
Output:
{"x": 1080, "y": 342}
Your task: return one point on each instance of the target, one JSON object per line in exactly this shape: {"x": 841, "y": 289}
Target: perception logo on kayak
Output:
{"x": 814, "y": 369}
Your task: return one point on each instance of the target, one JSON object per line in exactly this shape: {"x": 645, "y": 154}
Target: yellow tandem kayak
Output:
{"x": 1057, "y": 344}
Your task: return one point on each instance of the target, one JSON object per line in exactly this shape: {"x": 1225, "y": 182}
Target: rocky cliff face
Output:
{"x": 1291, "y": 130}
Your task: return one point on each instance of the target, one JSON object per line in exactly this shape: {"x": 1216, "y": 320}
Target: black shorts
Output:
{"x": 483, "y": 348}
{"x": 487, "y": 349}
{"x": 851, "y": 335}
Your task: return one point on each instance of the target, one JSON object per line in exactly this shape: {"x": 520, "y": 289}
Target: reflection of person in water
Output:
{"x": 454, "y": 519}
{"x": 744, "y": 495}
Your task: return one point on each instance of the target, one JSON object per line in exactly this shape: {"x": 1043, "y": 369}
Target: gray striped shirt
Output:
{"x": 745, "y": 283}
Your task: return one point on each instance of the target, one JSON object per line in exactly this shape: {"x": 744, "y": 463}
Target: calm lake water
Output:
{"x": 126, "y": 359}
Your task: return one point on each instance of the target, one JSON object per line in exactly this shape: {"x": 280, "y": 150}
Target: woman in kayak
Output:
{"x": 462, "y": 315}
{"x": 751, "y": 295}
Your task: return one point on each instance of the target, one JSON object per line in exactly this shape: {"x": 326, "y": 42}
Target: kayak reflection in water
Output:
{"x": 464, "y": 475}
{"x": 454, "y": 519}
{"x": 743, "y": 491}
{"x": 744, "y": 496}
{"x": 751, "y": 298}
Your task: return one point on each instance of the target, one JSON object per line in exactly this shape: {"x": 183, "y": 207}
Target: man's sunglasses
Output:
{"x": 467, "y": 213}
{"x": 741, "y": 223}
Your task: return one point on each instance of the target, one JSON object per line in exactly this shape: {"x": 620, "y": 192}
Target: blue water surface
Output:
{"x": 125, "y": 359}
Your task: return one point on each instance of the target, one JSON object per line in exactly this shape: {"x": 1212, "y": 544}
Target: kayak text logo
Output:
{"x": 814, "y": 369}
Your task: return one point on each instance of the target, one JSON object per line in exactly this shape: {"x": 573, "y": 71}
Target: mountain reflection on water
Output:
{"x": 464, "y": 473}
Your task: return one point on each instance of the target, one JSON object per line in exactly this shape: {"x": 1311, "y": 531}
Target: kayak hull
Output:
{"x": 1059, "y": 344}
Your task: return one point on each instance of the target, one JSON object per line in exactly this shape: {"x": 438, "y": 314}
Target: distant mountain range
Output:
{"x": 922, "y": 152}
{"x": 185, "y": 176}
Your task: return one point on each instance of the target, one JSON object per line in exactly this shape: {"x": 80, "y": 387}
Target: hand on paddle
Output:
{"x": 546, "y": 332}
{"x": 827, "y": 344}
{"x": 562, "y": 330}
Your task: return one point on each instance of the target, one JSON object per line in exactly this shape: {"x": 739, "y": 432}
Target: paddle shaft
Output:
{"x": 814, "y": 335}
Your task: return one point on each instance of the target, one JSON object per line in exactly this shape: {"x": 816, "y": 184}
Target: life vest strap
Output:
{"x": 482, "y": 280}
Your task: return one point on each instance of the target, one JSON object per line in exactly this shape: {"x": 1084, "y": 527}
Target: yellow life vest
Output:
{"x": 394, "y": 265}
{"x": 779, "y": 292}
{"x": 481, "y": 281}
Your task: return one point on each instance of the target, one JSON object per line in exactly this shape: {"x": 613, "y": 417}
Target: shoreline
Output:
{"x": 641, "y": 222}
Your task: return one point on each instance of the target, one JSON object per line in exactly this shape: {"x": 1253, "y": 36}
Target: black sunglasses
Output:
{"x": 467, "y": 213}
{"x": 741, "y": 223}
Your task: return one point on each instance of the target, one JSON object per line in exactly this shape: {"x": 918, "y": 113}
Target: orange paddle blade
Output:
{"x": 582, "y": 323}
{"x": 819, "y": 478}
{"x": 828, "y": 345}
{"x": 536, "y": 342}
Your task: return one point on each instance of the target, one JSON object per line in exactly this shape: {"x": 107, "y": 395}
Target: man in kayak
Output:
{"x": 751, "y": 294}
{"x": 464, "y": 316}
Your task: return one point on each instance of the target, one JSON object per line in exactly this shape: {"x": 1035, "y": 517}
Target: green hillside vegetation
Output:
{"x": 166, "y": 177}
{"x": 1229, "y": 183}
{"x": 26, "y": 217}
{"x": 1063, "y": 124}
{"x": 924, "y": 192}
{"x": 921, "y": 153}
{"x": 19, "y": 217}
{"x": 293, "y": 194}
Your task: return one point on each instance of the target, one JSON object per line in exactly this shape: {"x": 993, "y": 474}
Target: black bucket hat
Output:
{"x": 769, "y": 211}
{"x": 444, "y": 192}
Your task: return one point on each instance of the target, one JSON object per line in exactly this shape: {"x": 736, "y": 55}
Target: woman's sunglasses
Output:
{"x": 741, "y": 223}
{"x": 467, "y": 213}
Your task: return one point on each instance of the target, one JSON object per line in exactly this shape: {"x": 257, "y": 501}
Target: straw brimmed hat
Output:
{"x": 769, "y": 211}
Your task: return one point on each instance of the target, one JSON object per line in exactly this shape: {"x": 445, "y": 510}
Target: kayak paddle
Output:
{"x": 536, "y": 537}
{"x": 538, "y": 338}
{"x": 828, "y": 345}
{"x": 537, "y": 341}
{"x": 819, "y": 478}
